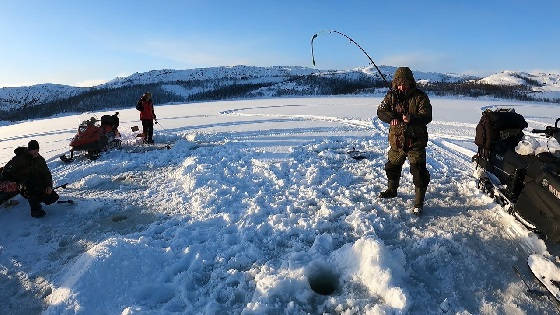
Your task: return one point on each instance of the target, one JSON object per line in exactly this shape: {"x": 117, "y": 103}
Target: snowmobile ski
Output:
{"x": 548, "y": 275}
{"x": 532, "y": 292}
{"x": 66, "y": 159}
{"x": 90, "y": 155}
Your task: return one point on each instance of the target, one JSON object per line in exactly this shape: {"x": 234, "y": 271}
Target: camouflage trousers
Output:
{"x": 417, "y": 160}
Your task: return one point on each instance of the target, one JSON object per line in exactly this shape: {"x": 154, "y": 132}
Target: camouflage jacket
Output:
{"x": 26, "y": 169}
{"x": 411, "y": 135}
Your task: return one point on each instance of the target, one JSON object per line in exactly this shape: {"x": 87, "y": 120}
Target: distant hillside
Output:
{"x": 250, "y": 82}
{"x": 22, "y": 97}
{"x": 544, "y": 86}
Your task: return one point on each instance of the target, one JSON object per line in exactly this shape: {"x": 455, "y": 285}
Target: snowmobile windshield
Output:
{"x": 85, "y": 120}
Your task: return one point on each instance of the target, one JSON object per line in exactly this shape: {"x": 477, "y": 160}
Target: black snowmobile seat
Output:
{"x": 110, "y": 120}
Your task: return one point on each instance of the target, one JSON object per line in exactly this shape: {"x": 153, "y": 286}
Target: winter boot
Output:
{"x": 36, "y": 208}
{"x": 420, "y": 194}
{"x": 391, "y": 191}
{"x": 38, "y": 213}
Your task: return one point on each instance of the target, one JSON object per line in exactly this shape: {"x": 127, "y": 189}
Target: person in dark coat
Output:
{"x": 407, "y": 110}
{"x": 147, "y": 115}
{"x": 30, "y": 171}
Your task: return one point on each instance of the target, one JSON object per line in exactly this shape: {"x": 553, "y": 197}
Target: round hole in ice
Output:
{"x": 118, "y": 218}
{"x": 322, "y": 279}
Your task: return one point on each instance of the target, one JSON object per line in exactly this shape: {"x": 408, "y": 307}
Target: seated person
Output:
{"x": 30, "y": 171}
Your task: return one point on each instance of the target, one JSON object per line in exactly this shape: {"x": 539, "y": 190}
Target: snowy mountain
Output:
{"x": 265, "y": 74}
{"x": 546, "y": 81}
{"x": 214, "y": 73}
{"x": 424, "y": 77}
{"x": 20, "y": 97}
{"x": 545, "y": 85}
{"x": 248, "y": 81}
{"x": 257, "y": 208}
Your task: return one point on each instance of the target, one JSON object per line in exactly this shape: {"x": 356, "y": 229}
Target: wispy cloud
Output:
{"x": 198, "y": 53}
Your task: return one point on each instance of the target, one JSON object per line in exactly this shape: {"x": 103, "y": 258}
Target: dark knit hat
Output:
{"x": 33, "y": 145}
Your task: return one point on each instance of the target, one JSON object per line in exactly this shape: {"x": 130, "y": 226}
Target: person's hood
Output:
{"x": 404, "y": 76}
{"x": 21, "y": 150}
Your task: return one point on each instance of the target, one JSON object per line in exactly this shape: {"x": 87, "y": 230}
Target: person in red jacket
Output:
{"x": 146, "y": 107}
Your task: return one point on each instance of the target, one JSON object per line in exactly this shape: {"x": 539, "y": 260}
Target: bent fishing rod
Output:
{"x": 353, "y": 42}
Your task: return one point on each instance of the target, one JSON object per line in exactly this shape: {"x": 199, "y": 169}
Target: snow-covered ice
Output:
{"x": 257, "y": 207}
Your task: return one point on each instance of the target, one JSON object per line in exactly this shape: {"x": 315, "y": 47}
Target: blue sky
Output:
{"x": 87, "y": 42}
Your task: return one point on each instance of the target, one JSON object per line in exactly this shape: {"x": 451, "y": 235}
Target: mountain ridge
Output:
{"x": 253, "y": 81}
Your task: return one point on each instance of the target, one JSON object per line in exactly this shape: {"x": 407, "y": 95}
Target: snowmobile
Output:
{"x": 526, "y": 186}
{"x": 525, "y": 183}
{"x": 94, "y": 138}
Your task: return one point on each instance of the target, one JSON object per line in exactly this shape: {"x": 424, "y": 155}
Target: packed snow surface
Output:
{"x": 257, "y": 208}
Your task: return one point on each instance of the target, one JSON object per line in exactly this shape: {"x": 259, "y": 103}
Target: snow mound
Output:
{"x": 526, "y": 146}
{"x": 365, "y": 267}
{"x": 368, "y": 262}
{"x": 532, "y": 146}
{"x": 84, "y": 285}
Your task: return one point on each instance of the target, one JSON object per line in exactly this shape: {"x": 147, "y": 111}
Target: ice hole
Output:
{"x": 119, "y": 218}
{"x": 322, "y": 279}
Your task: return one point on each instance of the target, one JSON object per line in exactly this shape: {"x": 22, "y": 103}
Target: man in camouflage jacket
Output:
{"x": 408, "y": 111}
{"x": 30, "y": 171}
